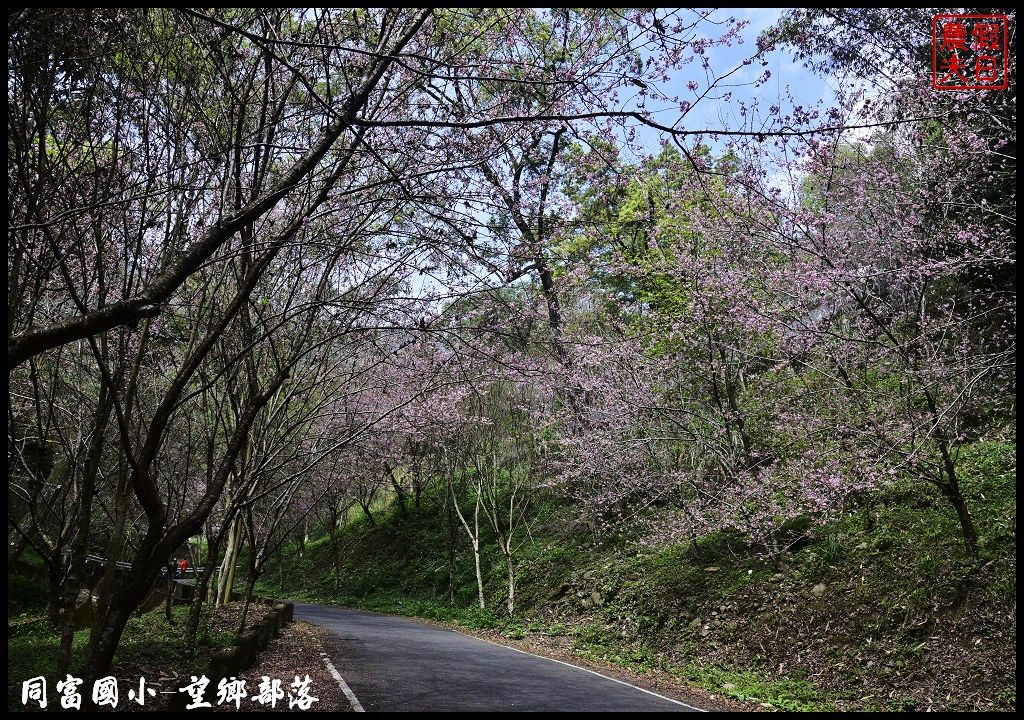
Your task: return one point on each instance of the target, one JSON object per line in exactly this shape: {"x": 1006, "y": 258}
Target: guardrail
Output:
{"x": 95, "y": 566}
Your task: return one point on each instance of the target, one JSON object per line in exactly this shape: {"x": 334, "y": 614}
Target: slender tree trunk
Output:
{"x": 73, "y": 587}
{"x": 81, "y": 545}
{"x": 335, "y": 553}
{"x": 399, "y": 490}
{"x": 511, "y": 583}
{"x": 228, "y": 564}
{"x": 955, "y": 497}
{"x": 951, "y": 489}
{"x": 169, "y": 600}
{"x": 229, "y": 582}
{"x": 366, "y": 510}
{"x": 474, "y": 539}
{"x": 195, "y": 611}
{"x": 102, "y": 654}
{"x": 106, "y": 586}
{"x": 248, "y": 599}
{"x": 280, "y": 568}
{"x": 476, "y": 552}
{"x": 199, "y": 597}
{"x": 479, "y": 575}
{"x": 54, "y": 584}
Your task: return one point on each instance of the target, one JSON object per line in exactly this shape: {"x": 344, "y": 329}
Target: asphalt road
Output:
{"x": 396, "y": 664}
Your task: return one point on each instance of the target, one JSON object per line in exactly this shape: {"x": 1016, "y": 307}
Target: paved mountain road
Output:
{"x": 392, "y": 663}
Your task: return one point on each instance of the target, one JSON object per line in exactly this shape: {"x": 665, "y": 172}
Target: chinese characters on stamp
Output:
{"x": 970, "y": 52}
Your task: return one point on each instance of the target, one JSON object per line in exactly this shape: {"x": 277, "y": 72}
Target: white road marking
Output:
{"x": 592, "y": 672}
{"x": 359, "y": 708}
{"x": 353, "y": 700}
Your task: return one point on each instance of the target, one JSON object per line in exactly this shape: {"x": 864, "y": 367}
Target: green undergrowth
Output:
{"x": 150, "y": 644}
{"x": 847, "y": 618}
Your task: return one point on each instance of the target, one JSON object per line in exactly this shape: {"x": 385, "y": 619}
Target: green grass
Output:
{"x": 890, "y": 566}
{"x": 886, "y": 564}
{"x": 25, "y": 598}
{"x": 32, "y": 650}
{"x": 149, "y": 642}
{"x": 787, "y": 694}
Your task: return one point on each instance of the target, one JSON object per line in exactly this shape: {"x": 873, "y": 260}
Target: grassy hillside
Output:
{"x": 878, "y": 611}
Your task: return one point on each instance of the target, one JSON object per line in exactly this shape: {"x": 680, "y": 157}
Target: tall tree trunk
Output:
{"x": 229, "y": 579}
{"x": 280, "y": 568}
{"x": 335, "y": 550}
{"x": 102, "y": 655}
{"x": 479, "y": 575}
{"x": 227, "y": 565}
{"x": 169, "y": 599}
{"x": 80, "y": 547}
{"x": 134, "y": 588}
{"x": 115, "y": 547}
{"x": 474, "y": 540}
{"x": 399, "y": 490}
{"x": 199, "y": 597}
{"x": 106, "y": 586}
{"x": 969, "y": 532}
{"x": 951, "y": 486}
{"x": 476, "y": 552}
{"x": 511, "y": 582}
{"x": 54, "y": 586}
{"x": 366, "y": 511}
{"x": 248, "y": 599}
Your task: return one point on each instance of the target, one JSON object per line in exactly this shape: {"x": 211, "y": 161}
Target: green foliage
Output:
{"x": 786, "y": 694}
{"x": 25, "y": 598}
{"x": 887, "y": 563}
{"x": 594, "y": 641}
{"x": 31, "y": 651}
{"x": 148, "y": 641}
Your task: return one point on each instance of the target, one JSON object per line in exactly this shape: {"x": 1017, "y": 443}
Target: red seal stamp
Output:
{"x": 970, "y": 52}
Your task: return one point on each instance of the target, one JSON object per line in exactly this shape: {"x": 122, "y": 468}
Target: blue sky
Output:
{"x": 788, "y": 78}
{"x": 717, "y": 111}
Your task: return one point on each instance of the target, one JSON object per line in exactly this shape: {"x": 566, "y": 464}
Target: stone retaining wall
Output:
{"x": 234, "y": 660}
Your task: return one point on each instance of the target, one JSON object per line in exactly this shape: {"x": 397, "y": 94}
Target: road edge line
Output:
{"x": 579, "y": 667}
{"x": 352, "y": 699}
{"x": 424, "y": 621}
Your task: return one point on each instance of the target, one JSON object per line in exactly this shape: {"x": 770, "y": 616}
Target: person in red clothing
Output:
{"x": 183, "y": 565}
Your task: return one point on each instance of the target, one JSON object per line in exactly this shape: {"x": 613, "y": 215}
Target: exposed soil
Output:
{"x": 299, "y": 651}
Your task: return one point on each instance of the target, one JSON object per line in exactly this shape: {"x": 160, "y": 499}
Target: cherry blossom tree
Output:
{"x": 264, "y": 262}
